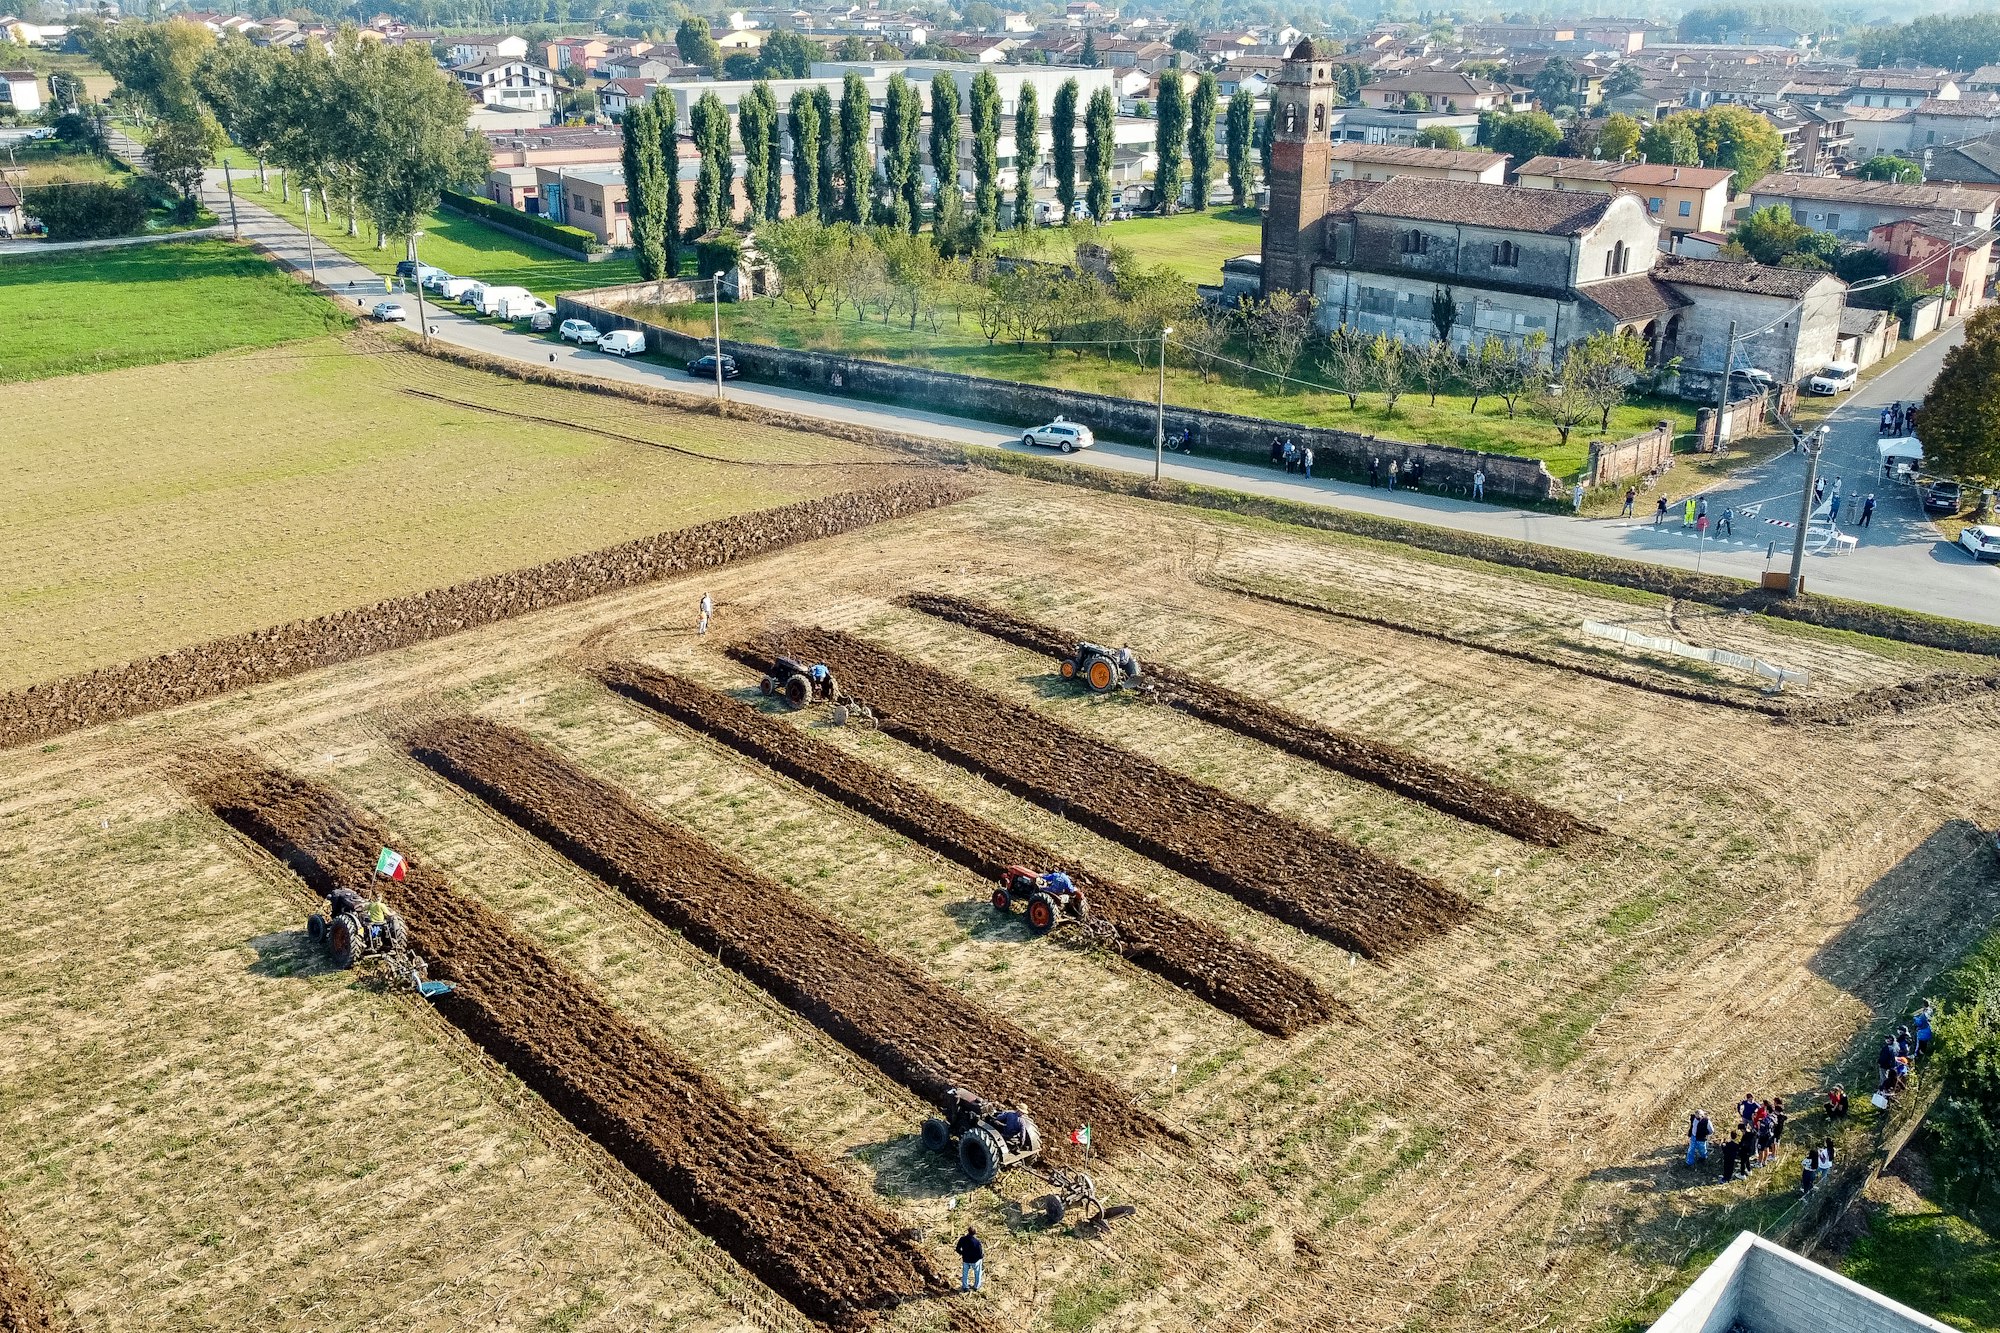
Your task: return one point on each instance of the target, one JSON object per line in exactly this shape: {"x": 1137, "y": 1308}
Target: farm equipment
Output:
{"x": 1105, "y": 670}
{"x": 798, "y": 683}
{"x": 1075, "y": 1190}
{"x": 1048, "y": 898}
{"x": 345, "y": 929}
{"x": 990, "y": 1137}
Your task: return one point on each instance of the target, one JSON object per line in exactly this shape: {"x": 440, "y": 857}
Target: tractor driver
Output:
{"x": 1010, "y": 1126}
{"x": 378, "y": 918}
{"x": 819, "y": 675}
{"x": 1128, "y": 662}
{"x": 1059, "y": 884}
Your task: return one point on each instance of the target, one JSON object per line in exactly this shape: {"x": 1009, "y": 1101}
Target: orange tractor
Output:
{"x": 1103, "y": 670}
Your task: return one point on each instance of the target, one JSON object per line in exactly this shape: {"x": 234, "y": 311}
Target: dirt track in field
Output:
{"x": 1310, "y": 879}
{"x": 22, "y": 1309}
{"x": 219, "y": 666}
{"x": 786, "y": 1218}
{"x": 1270, "y": 995}
{"x": 1394, "y": 769}
{"x": 913, "y": 1029}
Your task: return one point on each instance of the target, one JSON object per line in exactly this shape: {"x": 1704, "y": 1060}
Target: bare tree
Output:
{"x": 1342, "y": 358}
{"x": 1434, "y": 365}
{"x": 1388, "y": 368}
{"x": 1277, "y": 327}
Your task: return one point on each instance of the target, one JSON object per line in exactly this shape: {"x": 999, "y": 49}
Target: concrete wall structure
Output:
{"x": 1764, "y": 1288}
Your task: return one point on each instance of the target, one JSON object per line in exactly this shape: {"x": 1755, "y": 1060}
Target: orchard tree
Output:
{"x": 1027, "y": 153}
{"x": 1242, "y": 123}
{"x": 1062, "y": 152}
{"x": 1201, "y": 139}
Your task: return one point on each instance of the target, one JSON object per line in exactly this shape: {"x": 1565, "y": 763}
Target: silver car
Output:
{"x": 1059, "y": 434}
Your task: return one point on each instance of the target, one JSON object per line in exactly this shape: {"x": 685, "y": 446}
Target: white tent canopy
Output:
{"x": 1907, "y": 448}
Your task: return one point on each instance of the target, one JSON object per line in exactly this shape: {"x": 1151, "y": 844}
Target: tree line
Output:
{"x": 377, "y": 131}
{"x": 836, "y": 176}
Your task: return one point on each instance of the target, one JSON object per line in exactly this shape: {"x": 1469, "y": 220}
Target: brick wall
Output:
{"x": 1629, "y": 458}
{"x": 1217, "y": 434}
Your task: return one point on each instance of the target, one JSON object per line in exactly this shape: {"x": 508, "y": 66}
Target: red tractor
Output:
{"x": 1050, "y": 898}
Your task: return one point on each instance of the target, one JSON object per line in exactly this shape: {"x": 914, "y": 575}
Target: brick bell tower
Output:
{"x": 1302, "y": 118}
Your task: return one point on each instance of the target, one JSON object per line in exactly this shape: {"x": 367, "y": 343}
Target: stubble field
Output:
{"x": 203, "y": 1126}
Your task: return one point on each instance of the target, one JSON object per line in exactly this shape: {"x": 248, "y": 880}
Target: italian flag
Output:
{"x": 1080, "y": 1136}
{"x": 390, "y": 864}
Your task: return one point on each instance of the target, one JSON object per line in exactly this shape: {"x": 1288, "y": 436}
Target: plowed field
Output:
{"x": 907, "y": 1025}
{"x": 1313, "y": 880}
{"x": 1269, "y": 995}
{"x": 22, "y": 1309}
{"x": 786, "y": 1218}
{"x": 221, "y": 665}
{"x": 1437, "y": 785}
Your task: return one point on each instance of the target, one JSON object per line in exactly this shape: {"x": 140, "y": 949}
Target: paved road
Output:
{"x": 1900, "y": 560}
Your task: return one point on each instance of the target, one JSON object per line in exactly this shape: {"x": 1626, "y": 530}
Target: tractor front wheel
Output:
{"x": 767, "y": 687}
{"x": 316, "y": 928}
{"x": 1042, "y": 913}
{"x": 1068, "y": 669}
{"x": 798, "y": 691}
{"x": 980, "y": 1155}
{"x": 937, "y": 1134}
{"x": 1003, "y": 901}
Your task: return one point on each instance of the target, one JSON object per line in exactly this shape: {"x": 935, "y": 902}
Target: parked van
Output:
{"x": 521, "y": 307}
{"x": 491, "y": 299}
{"x": 454, "y": 289}
{"x": 471, "y": 293}
{"x": 622, "y": 342}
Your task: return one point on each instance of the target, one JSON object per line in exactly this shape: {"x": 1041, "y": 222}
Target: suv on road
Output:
{"x": 1838, "y": 377}
{"x": 703, "y": 367}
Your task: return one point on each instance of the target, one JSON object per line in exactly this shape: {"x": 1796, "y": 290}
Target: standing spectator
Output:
{"x": 1631, "y": 495}
{"x": 1479, "y": 483}
{"x": 1576, "y": 499}
{"x": 1922, "y": 1023}
{"x": 1291, "y": 455}
{"x": 1867, "y": 511}
{"x": 1767, "y": 1139}
{"x": 1885, "y": 1064}
{"x": 1415, "y": 472}
{"x": 1888, "y": 421}
{"x": 1700, "y": 525}
{"x": 1700, "y": 509}
{"x": 1731, "y": 1153}
{"x": 1699, "y": 1128}
{"x": 1395, "y": 478}
{"x": 1808, "y": 1175}
{"x": 972, "y": 1261}
{"x": 1778, "y": 1120}
{"x": 1306, "y": 457}
{"x": 1746, "y": 1110}
{"x": 1374, "y": 472}
{"x": 1833, "y": 508}
{"x": 1687, "y": 513}
{"x": 1726, "y": 527}
{"x": 1825, "y": 1154}
{"x": 1906, "y": 1045}
{"x": 1660, "y": 511}
{"x": 1277, "y": 451}
{"x": 707, "y": 611}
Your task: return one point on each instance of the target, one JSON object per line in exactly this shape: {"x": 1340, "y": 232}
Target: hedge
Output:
{"x": 571, "y": 238}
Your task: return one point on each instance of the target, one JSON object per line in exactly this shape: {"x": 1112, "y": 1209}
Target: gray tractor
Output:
{"x": 342, "y": 928}
{"x": 990, "y": 1138}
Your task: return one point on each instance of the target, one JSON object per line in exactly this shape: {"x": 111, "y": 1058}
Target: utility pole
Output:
{"x": 229, "y": 184}
{"x": 423, "y": 320}
{"x": 716, "y": 300}
{"x": 1722, "y": 394}
{"x": 1797, "y": 580}
{"x": 312, "y": 259}
{"x": 1160, "y": 415}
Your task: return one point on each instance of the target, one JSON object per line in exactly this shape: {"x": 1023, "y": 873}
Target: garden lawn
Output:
{"x": 43, "y": 160}
{"x": 455, "y": 244}
{"x": 86, "y": 310}
{"x": 1193, "y": 245}
{"x": 959, "y": 346}
{"x": 1934, "y": 1261}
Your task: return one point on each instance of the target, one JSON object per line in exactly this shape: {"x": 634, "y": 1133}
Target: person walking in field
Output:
{"x": 707, "y": 612}
{"x": 972, "y": 1261}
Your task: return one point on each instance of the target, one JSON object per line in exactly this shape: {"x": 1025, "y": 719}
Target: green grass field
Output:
{"x": 103, "y": 309}
{"x": 959, "y": 346}
{"x": 1193, "y": 245}
{"x": 42, "y": 161}
{"x": 456, "y": 244}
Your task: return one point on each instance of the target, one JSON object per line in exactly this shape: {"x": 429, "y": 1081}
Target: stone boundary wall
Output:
{"x": 1629, "y": 458}
{"x": 1217, "y": 434}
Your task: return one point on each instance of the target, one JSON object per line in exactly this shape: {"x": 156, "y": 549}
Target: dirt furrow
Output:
{"x": 22, "y": 1308}
{"x": 1390, "y": 767}
{"x": 1267, "y": 994}
{"x": 219, "y": 666}
{"x": 1313, "y": 880}
{"x": 788, "y": 1219}
{"x": 909, "y": 1026}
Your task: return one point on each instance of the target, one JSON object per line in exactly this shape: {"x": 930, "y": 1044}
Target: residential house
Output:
{"x": 1680, "y": 199}
{"x": 11, "y": 219}
{"x": 20, "y": 91}
{"x": 1975, "y": 164}
{"x": 1873, "y": 131}
{"x": 1380, "y": 162}
{"x": 509, "y": 84}
{"x": 740, "y": 40}
{"x": 478, "y": 48}
{"x": 1125, "y": 53}
{"x": 982, "y": 49}
{"x": 1443, "y": 91}
{"x": 617, "y": 48}
{"x": 1955, "y": 120}
{"x": 656, "y": 68}
{"x": 556, "y": 145}
{"x": 618, "y": 96}
{"x": 48, "y": 35}
{"x": 1824, "y": 141}
{"x": 1852, "y": 208}
{"x": 574, "y": 56}
{"x": 1939, "y": 253}
{"x": 1985, "y": 79}
{"x": 1515, "y": 36}
{"x": 1625, "y": 36}
{"x": 1901, "y": 89}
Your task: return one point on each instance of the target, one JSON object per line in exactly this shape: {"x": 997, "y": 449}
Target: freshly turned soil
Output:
{"x": 1236, "y": 978}
{"x": 787, "y": 1218}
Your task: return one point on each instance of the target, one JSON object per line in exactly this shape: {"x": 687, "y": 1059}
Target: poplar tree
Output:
{"x": 1242, "y": 122}
{"x": 713, "y": 205}
{"x": 1027, "y": 152}
{"x": 673, "y": 229}
{"x": 645, "y": 190}
{"x": 1170, "y": 142}
{"x": 774, "y": 152}
{"x": 1062, "y": 159}
{"x": 900, "y": 111}
{"x": 986, "y": 153}
{"x": 1201, "y": 139}
{"x": 805, "y": 128}
{"x": 855, "y": 167}
{"x": 944, "y": 157}
{"x": 1099, "y": 134}
{"x": 754, "y": 128}
{"x": 829, "y": 201}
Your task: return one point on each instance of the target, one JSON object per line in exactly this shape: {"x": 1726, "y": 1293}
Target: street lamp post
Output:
{"x": 715, "y": 298}
{"x": 229, "y": 184}
{"x": 1160, "y": 414}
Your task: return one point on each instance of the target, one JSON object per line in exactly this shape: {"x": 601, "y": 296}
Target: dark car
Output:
{"x": 1942, "y": 497}
{"x": 704, "y": 367}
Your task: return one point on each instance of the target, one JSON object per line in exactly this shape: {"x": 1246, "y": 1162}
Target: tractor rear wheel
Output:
{"x": 937, "y": 1134}
{"x": 1003, "y": 901}
{"x": 798, "y": 691}
{"x": 343, "y": 939}
{"x": 1100, "y": 675}
{"x": 396, "y": 934}
{"x": 830, "y": 687}
{"x": 315, "y": 927}
{"x": 1042, "y": 913}
{"x": 980, "y": 1154}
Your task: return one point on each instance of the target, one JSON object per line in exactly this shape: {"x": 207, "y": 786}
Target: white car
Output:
{"x": 390, "y": 313}
{"x": 1059, "y": 434}
{"x": 1981, "y": 541}
{"x": 622, "y": 342}
{"x": 455, "y": 289}
{"x": 1837, "y": 377}
{"x": 578, "y": 331}
{"x": 435, "y": 280}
